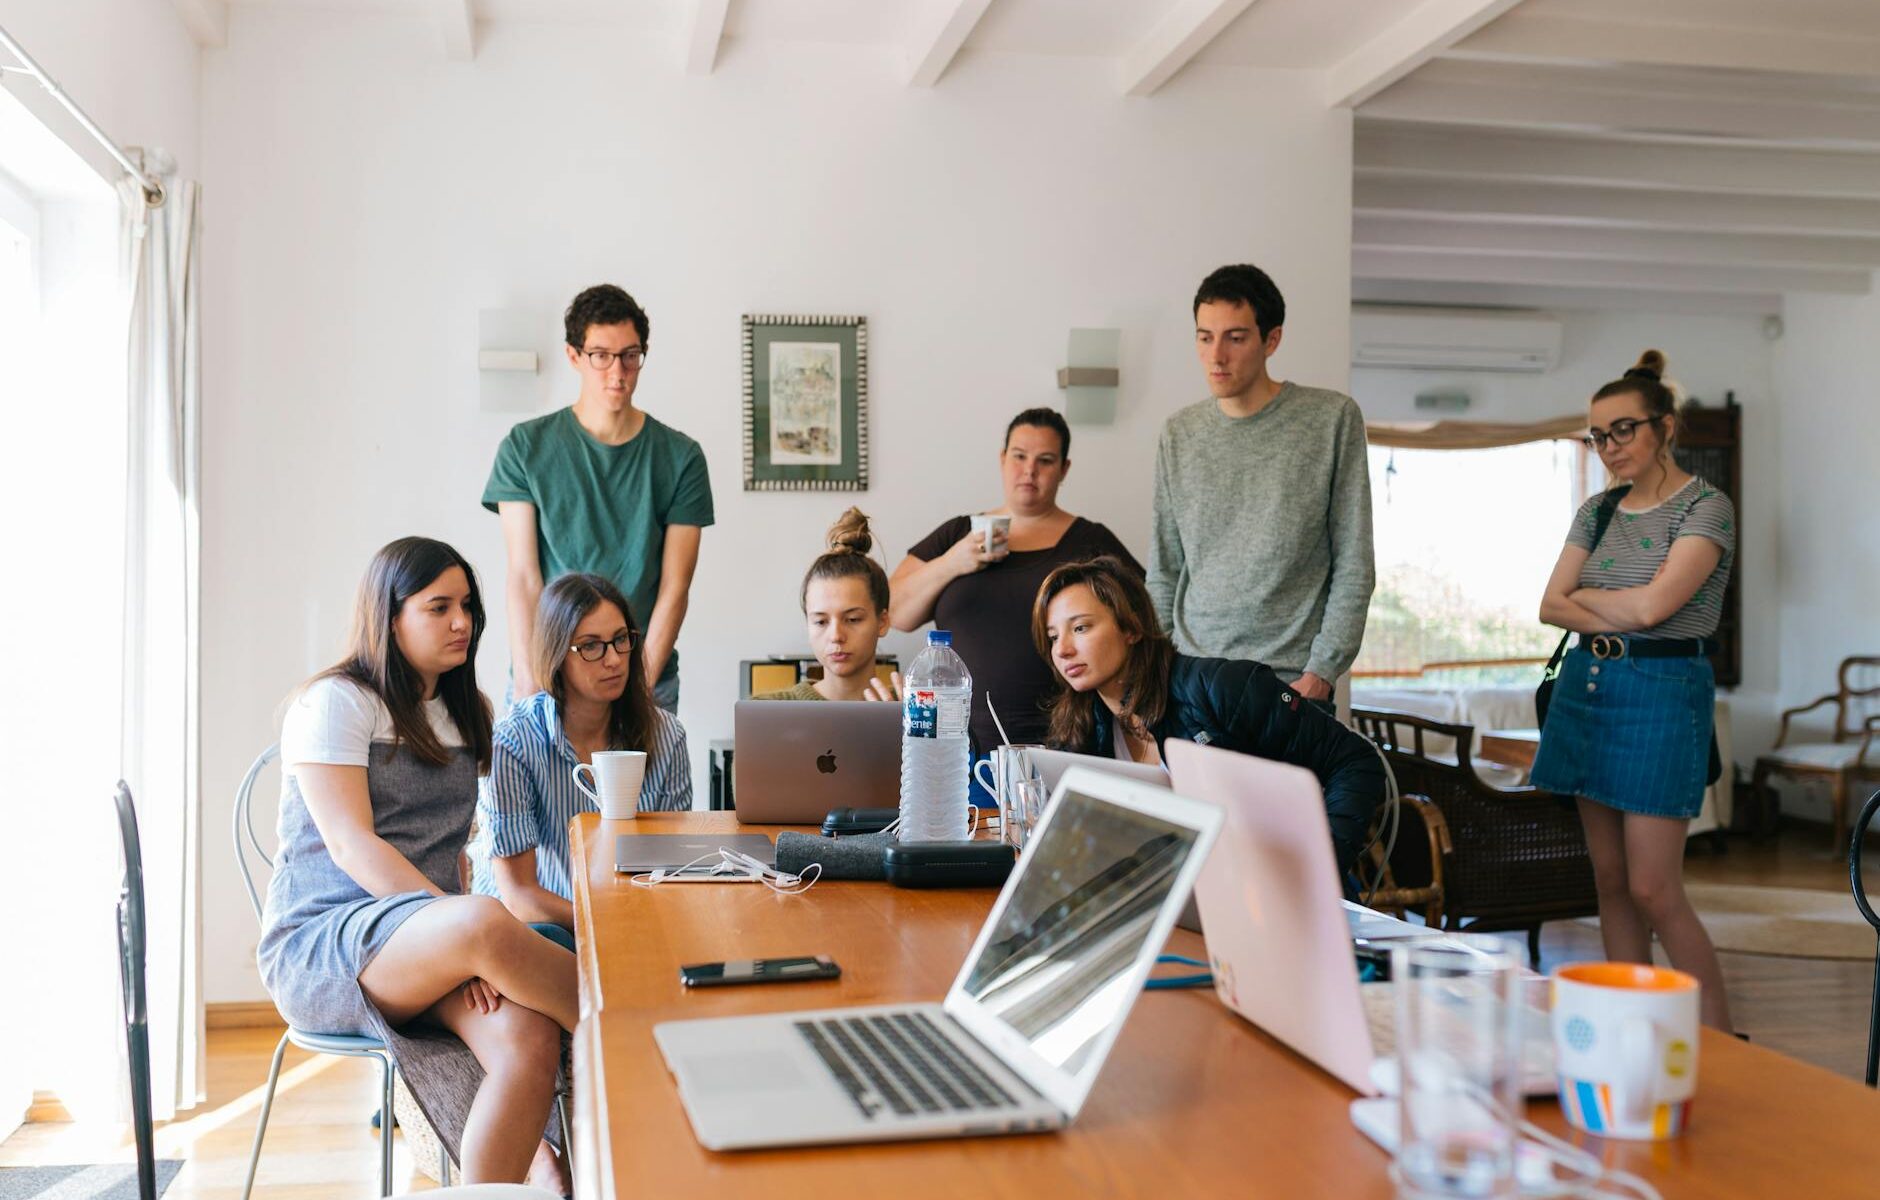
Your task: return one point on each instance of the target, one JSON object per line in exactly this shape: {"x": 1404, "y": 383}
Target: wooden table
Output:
{"x": 1194, "y": 1102}
{"x": 1510, "y": 747}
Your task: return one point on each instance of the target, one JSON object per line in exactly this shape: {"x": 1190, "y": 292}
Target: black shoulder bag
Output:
{"x": 1544, "y": 694}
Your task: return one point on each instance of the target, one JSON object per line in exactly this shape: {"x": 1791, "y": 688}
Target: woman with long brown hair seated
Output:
{"x": 364, "y": 931}
{"x": 1123, "y": 691}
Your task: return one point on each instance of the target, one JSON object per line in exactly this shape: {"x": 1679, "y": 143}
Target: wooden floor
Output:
{"x": 320, "y": 1143}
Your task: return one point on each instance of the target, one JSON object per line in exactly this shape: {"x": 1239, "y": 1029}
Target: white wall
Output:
{"x": 1709, "y": 355}
{"x": 1827, "y": 564}
{"x": 368, "y": 199}
{"x": 129, "y": 64}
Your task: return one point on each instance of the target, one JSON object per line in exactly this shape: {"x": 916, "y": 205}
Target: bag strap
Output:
{"x": 1602, "y": 517}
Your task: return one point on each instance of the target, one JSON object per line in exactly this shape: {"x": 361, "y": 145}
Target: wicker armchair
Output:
{"x": 1509, "y": 859}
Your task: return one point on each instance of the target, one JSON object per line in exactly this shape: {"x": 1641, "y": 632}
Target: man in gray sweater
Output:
{"x": 1261, "y": 547}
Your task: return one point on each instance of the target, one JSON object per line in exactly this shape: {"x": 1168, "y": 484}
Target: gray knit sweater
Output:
{"x": 1261, "y": 547}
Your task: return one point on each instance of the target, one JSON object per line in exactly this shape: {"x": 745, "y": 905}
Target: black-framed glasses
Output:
{"x": 594, "y": 649}
{"x": 632, "y": 359}
{"x": 1619, "y": 433}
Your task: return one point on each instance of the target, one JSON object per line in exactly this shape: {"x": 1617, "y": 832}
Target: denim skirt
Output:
{"x": 1630, "y": 733}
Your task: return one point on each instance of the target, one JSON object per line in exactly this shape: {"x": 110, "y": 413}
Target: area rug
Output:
{"x": 1781, "y": 922}
{"x": 104, "y": 1181}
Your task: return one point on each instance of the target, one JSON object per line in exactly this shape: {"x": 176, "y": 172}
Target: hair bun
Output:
{"x": 850, "y": 534}
{"x": 1650, "y": 365}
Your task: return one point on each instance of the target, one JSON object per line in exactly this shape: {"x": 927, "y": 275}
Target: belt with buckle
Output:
{"x": 1619, "y": 645}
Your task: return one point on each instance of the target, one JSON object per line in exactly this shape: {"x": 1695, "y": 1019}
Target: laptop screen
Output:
{"x": 1058, "y": 965}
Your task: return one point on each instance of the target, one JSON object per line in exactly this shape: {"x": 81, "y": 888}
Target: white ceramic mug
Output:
{"x": 998, "y": 773}
{"x": 613, "y": 782}
{"x": 989, "y": 526}
{"x": 1625, "y": 1048}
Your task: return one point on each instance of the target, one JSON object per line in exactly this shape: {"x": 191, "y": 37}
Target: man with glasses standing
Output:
{"x": 602, "y": 487}
{"x": 1261, "y": 542}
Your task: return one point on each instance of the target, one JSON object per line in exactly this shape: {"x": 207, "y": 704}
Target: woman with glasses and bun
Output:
{"x": 845, "y": 602}
{"x": 364, "y": 931}
{"x": 585, "y": 653}
{"x": 1628, "y": 728}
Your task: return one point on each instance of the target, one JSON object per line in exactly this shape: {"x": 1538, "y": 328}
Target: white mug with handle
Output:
{"x": 1625, "y": 1045}
{"x": 613, "y": 782}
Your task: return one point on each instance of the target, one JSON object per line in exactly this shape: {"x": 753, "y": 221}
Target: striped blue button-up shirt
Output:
{"x": 529, "y": 796}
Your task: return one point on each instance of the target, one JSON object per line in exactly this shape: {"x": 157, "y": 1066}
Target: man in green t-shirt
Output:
{"x": 602, "y": 487}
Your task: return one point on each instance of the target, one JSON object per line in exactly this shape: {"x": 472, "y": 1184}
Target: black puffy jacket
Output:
{"x": 1244, "y": 706}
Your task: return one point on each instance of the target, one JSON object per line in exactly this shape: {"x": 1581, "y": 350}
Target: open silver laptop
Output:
{"x": 1027, "y": 1024}
{"x": 797, "y": 759}
{"x": 1278, "y": 933}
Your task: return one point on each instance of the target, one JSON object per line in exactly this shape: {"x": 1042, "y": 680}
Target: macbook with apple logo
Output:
{"x": 795, "y": 760}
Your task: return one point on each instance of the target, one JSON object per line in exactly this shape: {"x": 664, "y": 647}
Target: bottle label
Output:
{"x": 920, "y": 713}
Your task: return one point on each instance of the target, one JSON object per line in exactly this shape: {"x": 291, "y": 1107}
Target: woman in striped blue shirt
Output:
{"x": 596, "y": 697}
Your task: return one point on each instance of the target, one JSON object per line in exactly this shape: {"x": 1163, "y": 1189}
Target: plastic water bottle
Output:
{"x": 937, "y": 700}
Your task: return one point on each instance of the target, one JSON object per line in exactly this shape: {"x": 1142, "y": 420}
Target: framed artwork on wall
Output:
{"x": 805, "y": 403}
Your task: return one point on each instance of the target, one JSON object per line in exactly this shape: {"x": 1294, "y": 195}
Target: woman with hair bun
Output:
{"x": 845, "y": 602}
{"x": 1628, "y": 730}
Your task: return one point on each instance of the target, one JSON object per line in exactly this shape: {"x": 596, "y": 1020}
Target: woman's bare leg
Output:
{"x": 1654, "y": 856}
{"x": 459, "y": 938}
{"x": 1622, "y": 928}
{"x": 520, "y": 1051}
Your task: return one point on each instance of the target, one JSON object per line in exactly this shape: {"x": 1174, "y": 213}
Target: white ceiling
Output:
{"x": 1698, "y": 154}
{"x": 1708, "y": 155}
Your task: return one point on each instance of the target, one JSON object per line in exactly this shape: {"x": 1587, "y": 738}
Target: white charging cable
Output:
{"x": 732, "y": 867}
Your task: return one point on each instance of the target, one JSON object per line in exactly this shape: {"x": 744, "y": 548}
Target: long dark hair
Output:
{"x": 1145, "y": 671}
{"x": 847, "y": 558}
{"x": 399, "y": 571}
{"x": 565, "y": 603}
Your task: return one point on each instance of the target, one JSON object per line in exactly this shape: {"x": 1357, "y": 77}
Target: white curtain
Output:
{"x": 162, "y": 614}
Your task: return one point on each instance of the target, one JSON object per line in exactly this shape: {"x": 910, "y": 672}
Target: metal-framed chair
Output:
{"x": 247, "y": 845}
{"x": 131, "y": 960}
{"x": 1867, "y": 813}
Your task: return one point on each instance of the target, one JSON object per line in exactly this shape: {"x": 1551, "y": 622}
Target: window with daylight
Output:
{"x": 1465, "y": 541}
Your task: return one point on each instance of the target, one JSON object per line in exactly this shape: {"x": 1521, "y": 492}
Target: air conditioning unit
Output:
{"x": 1454, "y": 339}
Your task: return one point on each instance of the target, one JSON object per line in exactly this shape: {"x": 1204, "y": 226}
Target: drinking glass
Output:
{"x": 1458, "y": 1050}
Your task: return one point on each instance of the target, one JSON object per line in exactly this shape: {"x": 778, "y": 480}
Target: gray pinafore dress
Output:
{"x": 320, "y": 928}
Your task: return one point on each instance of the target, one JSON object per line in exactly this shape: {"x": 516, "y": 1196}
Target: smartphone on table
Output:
{"x": 759, "y": 970}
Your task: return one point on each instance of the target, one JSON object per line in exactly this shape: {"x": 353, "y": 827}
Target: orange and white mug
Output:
{"x": 1625, "y": 1048}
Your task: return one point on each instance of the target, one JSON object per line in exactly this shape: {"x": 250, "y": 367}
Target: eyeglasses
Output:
{"x": 632, "y": 359}
{"x": 595, "y": 650}
{"x": 1621, "y": 432}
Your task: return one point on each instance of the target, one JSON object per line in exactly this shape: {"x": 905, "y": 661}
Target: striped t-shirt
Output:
{"x": 529, "y": 796}
{"x": 1637, "y": 543}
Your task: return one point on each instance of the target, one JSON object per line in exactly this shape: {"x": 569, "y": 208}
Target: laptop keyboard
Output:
{"x": 1379, "y": 1001}
{"x": 901, "y": 1063}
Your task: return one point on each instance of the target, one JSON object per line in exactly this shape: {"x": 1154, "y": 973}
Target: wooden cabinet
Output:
{"x": 1710, "y": 446}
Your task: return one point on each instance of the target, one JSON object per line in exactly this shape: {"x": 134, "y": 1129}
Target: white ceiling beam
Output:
{"x": 206, "y": 20}
{"x": 941, "y": 27}
{"x": 1543, "y": 37}
{"x": 1615, "y": 207}
{"x": 457, "y": 27}
{"x": 702, "y": 30}
{"x": 1419, "y": 36}
{"x": 1450, "y": 152}
{"x": 1580, "y": 100}
{"x": 1545, "y": 296}
{"x": 1437, "y": 266}
{"x": 1183, "y": 32}
{"x": 1622, "y": 245}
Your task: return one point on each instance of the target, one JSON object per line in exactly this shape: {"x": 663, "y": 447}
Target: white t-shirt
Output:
{"x": 335, "y": 721}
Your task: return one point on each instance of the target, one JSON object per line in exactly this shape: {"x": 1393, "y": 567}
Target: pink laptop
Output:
{"x": 1279, "y": 939}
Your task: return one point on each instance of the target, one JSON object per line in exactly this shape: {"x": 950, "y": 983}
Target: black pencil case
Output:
{"x": 947, "y": 864}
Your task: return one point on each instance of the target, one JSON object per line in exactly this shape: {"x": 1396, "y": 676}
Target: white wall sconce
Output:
{"x": 1089, "y": 383}
{"x": 509, "y": 360}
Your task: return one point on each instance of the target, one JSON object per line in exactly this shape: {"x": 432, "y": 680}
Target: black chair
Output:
{"x": 130, "y": 912}
{"x": 1866, "y": 910}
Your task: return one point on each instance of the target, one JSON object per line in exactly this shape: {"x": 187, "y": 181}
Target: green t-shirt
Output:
{"x": 604, "y": 509}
